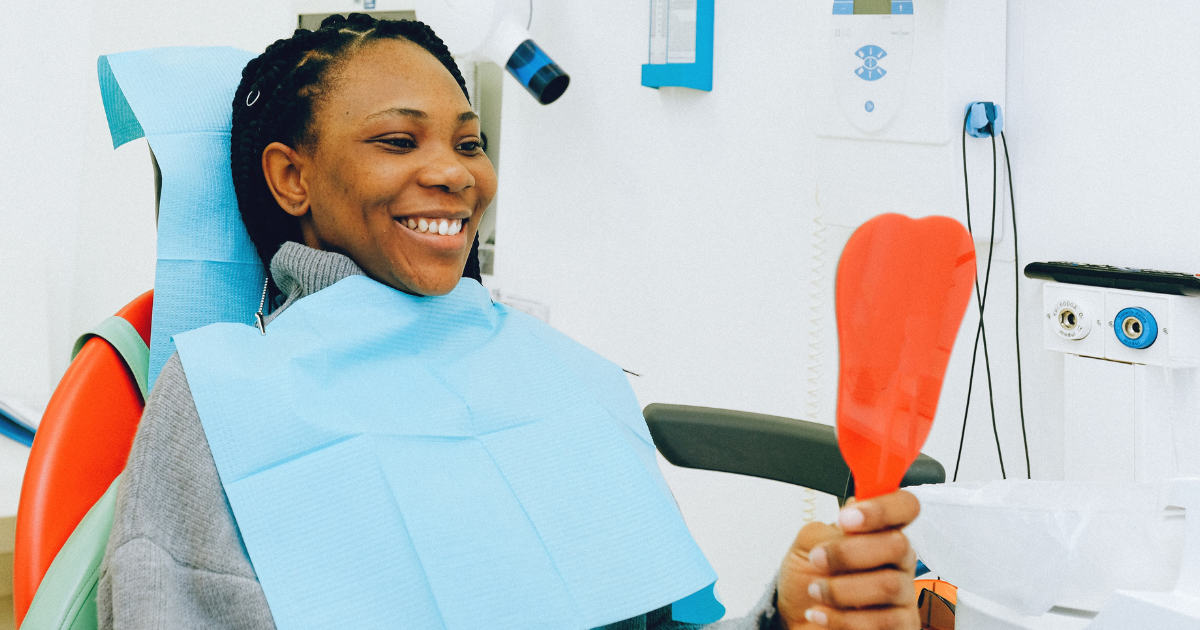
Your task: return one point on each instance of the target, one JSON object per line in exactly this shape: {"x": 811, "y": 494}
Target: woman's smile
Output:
{"x": 432, "y": 226}
{"x": 437, "y": 233}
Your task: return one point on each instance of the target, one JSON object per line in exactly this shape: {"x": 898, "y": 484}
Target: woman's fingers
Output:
{"x": 874, "y": 619}
{"x": 876, "y": 589}
{"x": 864, "y": 552}
{"x": 815, "y": 534}
{"x": 854, "y": 576}
{"x": 890, "y": 511}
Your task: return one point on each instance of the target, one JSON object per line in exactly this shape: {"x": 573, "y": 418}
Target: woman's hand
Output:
{"x": 856, "y": 576}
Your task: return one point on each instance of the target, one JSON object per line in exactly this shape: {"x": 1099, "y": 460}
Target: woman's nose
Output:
{"x": 446, "y": 171}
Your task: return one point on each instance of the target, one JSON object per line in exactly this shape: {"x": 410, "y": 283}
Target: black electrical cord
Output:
{"x": 987, "y": 281}
{"x": 981, "y": 300}
{"x": 1012, "y": 200}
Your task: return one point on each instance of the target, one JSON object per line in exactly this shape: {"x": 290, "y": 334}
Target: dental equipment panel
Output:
{"x": 902, "y": 76}
{"x": 1168, "y": 282}
{"x": 681, "y": 44}
{"x": 900, "y": 71}
{"x": 1131, "y": 396}
{"x": 1143, "y": 393}
{"x": 870, "y": 58}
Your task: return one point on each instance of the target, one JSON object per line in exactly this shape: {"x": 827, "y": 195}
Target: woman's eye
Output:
{"x": 399, "y": 143}
{"x": 471, "y": 146}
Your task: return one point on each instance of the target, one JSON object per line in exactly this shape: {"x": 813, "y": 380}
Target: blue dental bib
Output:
{"x": 437, "y": 462}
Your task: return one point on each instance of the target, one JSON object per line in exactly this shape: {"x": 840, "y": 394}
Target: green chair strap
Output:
{"x": 66, "y": 598}
{"x": 125, "y": 339}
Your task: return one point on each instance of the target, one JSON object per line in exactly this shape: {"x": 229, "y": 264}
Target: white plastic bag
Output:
{"x": 1032, "y": 545}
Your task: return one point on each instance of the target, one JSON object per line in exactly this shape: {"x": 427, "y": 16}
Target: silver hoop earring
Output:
{"x": 249, "y": 102}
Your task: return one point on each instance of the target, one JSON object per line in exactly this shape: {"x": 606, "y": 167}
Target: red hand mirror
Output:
{"x": 902, "y": 289}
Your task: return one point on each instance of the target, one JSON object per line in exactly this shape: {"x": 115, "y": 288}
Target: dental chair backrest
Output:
{"x": 208, "y": 271}
{"x": 180, "y": 99}
{"x": 82, "y": 442}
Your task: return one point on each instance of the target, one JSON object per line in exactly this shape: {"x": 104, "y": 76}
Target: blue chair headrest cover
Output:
{"x": 180, "y": 100}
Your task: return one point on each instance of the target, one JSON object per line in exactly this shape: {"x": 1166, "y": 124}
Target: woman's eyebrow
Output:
{"x": 416, "y": 113}
{"x": 399, "y": 111}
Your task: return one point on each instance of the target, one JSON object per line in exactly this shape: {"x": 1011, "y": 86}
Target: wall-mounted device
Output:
{"x": 901, "y": 71}
{"x": 1130, "y": 388}
{"x": 870, "y": 57}
{"x": 1130, "y": 394}
{"x": 681, "y": 44}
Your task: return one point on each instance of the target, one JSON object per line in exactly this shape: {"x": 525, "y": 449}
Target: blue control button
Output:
{"x": 870, "y": 106}
{"x": 843, "y": 8}
{"x": 902, "y": 8}
{"x": 870, "y": 70}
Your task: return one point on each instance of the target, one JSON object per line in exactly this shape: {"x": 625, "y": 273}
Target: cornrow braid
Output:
{"x": 274, "y": 103}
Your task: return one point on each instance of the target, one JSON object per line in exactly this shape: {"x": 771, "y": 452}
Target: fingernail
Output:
{"x": 816, "y": 616}
{"x": 851, "y": 518}
{"x": 816, "y": 590}
{"x": 819, "y": 559}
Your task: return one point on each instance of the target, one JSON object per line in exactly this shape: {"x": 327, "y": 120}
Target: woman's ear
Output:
{"x": 283, "y": 167}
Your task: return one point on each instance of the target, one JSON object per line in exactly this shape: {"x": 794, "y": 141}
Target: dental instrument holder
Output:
{"x": 1129, "y": 417}
{"x": 984, "y": 119}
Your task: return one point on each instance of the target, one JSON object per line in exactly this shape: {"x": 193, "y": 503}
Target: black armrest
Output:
{"x": 792, "y": 451}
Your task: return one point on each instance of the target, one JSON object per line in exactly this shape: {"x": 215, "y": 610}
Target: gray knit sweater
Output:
{"x": 175, "y": 558}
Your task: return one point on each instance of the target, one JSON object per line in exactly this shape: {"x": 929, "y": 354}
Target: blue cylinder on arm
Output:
{"x": 537, "y": 72}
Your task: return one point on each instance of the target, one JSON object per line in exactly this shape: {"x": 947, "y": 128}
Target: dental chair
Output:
{"x": 69, "y": 493}
{"x": 770, "y": 447}
{"x": 69, "y": 490}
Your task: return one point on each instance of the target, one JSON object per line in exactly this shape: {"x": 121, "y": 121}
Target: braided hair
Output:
{"x": 275, "y": 101}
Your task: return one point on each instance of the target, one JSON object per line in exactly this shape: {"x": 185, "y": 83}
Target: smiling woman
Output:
{"x": 393, "y": 449}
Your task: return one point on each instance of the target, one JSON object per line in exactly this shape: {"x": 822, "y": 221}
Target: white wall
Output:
{"x": 76, "y": 217}
{"x": 670, "y": 230}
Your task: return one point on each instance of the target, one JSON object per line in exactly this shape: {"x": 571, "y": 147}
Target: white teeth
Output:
{"x": 444, "y": 227}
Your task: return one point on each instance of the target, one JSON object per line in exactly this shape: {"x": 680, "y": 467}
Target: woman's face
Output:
{"x": 396, "y": 178}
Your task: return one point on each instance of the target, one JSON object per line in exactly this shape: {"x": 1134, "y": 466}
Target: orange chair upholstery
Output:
{"x": 79, "y": 449}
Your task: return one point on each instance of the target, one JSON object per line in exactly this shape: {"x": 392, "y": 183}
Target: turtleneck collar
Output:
{"x": 299, "y": 271}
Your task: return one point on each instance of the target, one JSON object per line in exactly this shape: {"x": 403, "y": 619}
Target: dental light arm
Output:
{"x": 497, "y": 31}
